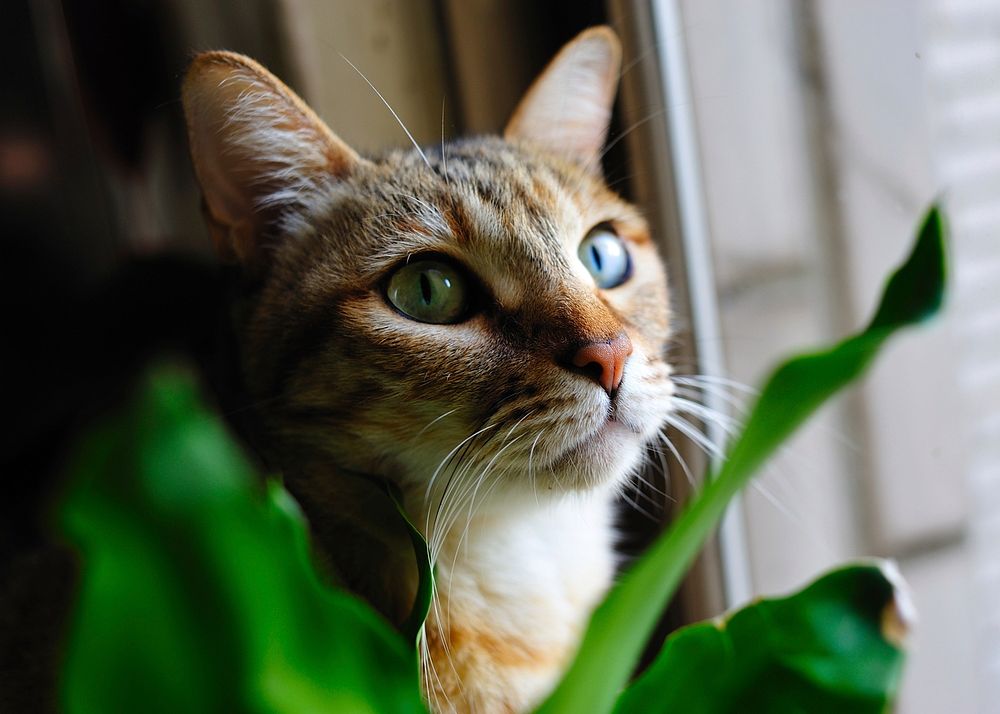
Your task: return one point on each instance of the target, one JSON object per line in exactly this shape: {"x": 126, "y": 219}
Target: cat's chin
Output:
{"x": 605, "y": 457}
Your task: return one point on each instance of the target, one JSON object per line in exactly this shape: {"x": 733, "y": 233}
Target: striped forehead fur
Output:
{"x": 483, "y": 196}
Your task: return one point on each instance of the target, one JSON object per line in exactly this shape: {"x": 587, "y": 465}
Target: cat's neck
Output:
{"x": 515, "y": 589}
{"x": 515, "y": 582}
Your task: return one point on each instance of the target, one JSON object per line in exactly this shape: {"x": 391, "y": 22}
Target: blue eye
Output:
{"x": 606, "y": 258}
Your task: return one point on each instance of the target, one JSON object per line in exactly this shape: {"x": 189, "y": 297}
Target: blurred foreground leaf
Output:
{"x": 621, "y": 625}
{"x": 414, "y": 624}
{"x": 197, "y": 592}
{"x": 834, "y": 647}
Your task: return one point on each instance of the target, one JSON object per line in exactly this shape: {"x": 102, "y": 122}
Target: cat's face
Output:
{"x": 487, "y": 316}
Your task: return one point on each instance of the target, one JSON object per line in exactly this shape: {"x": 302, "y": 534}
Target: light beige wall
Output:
{"x": 764, "y": 197}
{"x": 911, "y": 420}
{"x": 396, "y": 44}
{"x": 815, "y": 124}
{"x": 962, "y": 66}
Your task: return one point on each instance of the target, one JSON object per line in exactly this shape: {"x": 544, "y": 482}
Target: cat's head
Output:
{"x": 486, "y": 311}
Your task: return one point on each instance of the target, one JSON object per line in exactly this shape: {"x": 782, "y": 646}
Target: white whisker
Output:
{"x": 435, "y": 421}
{"x": 391, "y": 111}
{"x": 705, "y": 414}
{"x": 430, "y": 484}
{"x": 776, "y": 502}
{"x": 444, "y": 155}
{"x": 680, "y": 459}
{"x": 698, "y": 379}
{"x": 694, "y": 435}
{"x": 697, "y": 394}
{"x": 639, "y": 486}
{"x": 531, "y": 473}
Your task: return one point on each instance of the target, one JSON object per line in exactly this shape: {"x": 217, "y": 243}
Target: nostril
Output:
{"x": 604, "y": 362}
{"x": 594, "y": 370}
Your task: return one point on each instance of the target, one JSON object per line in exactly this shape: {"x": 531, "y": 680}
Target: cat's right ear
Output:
{"x": 259, "y": 152}
{"x": 568, "y": 108}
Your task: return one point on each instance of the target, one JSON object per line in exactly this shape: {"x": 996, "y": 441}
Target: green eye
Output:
{"x": 429, "y": 291}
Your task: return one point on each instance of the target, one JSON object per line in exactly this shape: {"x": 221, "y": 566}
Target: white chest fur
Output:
{"x": 514, "y": 595}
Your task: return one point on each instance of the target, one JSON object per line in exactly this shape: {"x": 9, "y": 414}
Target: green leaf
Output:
{"x": 197, "y": 591}
{"x": 621, "y": 624}
{"x": 833, "y": 647}
{"x": 425, "y": 574}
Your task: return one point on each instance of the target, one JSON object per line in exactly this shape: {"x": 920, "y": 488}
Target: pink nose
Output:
{"x": 605, "y": 361}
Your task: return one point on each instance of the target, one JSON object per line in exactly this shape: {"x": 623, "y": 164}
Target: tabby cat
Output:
{"x": 481, "y": 323}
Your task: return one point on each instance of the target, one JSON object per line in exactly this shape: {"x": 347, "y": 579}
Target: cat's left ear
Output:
{"x": 568, "y": 108}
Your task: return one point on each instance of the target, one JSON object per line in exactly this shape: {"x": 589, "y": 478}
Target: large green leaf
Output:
{"x": 197, "y": 591}
{"x": 621, "y": 624}
{"x": 834, "y": 647}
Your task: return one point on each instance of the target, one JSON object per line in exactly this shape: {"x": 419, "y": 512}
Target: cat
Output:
{"x": 481, "y": 323}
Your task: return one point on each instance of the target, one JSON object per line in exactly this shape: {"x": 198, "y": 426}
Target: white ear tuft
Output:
{"x": 568, "y": 108}
{"x": 259, "y": 152}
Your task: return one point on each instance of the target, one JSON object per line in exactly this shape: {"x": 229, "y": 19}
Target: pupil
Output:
{"x": 425, "y": 288}
{"x": 596, "y": 256}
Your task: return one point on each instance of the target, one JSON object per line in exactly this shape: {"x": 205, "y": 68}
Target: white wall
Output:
{"x": 396, "y": 44}
{"x": 819, "y": 153}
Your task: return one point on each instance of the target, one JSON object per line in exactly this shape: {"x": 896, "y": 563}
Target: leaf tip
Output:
{"x": 899, "y": 615}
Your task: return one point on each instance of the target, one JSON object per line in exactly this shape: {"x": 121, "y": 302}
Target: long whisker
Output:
{"x": 624, "y": 134}
{"x": 639, "y": 480}
{"x": 697, "y": 394}
{"x": 453, "y": 497}
{"x": 595, "y": 161}
{"x": 435, "y": 421}
{"x": 450, "y": 455}
{"x": 391, "y": 111}
{"x": 486, "y": 470}
{"x": 444, "y": 156}
{"x": 664, "y": 473}
{"x": 697, "y": 379}
{"x": 469, "y": 494}
{"x": 497, "y": 477}
{"x": 531, "y": 472}
{"x": 476, "y": 484}
{"x": 635, "y": 487}
{"x": 694, "y": 435}
{"x": 705, "y": 414}
{"x": 436, "y": 541}
{"x": 776, "y": 502}
{"x": 680, "y": 459}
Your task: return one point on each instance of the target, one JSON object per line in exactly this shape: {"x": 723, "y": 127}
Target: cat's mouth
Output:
{"x": 614, "y": 420}
{"x": 602, "y": 442}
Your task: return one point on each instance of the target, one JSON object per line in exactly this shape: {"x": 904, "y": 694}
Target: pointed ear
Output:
{"x": 259, "y": 152}
{"x": 568, "y": 107}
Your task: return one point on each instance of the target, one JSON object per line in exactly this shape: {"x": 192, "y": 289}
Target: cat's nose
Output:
{"x": 604, "y": 362}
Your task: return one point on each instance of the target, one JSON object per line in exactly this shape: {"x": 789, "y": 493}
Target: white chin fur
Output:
{"x": 605, "y": 458}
